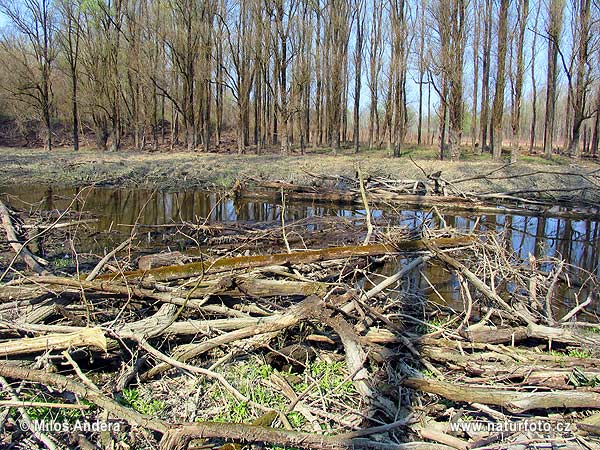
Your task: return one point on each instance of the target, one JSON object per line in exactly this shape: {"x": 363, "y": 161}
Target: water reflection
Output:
{"x": 575, "y": 241}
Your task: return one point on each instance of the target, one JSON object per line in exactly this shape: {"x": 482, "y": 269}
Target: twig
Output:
{"x": 94, "y": 273}
{"x": 29, "y": 258}
{"x": 27, "y": 404}
{"x": 575, "y": 310}
{"x": 363, "y": 194}
{"x": 30, "y": 425}
{"x": 285, "y": 239}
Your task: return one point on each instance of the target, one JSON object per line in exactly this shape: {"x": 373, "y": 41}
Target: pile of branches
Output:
{"x": 298, "y": 347}
{"x": 433, "y": 189}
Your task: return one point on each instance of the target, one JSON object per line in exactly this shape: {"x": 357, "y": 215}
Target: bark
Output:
{"x": 556, "y": 9}
{"x": 498, "y": 106}
{"x": 582, "y": 81}
{"x": 306, "y": 257}
{"x": 523, "y": 13}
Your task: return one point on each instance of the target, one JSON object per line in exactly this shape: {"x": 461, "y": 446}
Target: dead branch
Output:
{"x": 30, "y": 259}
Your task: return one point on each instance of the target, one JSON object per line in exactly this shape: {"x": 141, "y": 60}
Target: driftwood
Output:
{"x": 342, "y": 343}
{"x": 307, "y": 308}
{"x": 485, "y": 289}
{"x": 511, "y": 335}
{"x": 232, "y": 286}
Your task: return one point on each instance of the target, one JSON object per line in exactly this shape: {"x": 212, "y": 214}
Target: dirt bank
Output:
{"x": 176, "y": 171}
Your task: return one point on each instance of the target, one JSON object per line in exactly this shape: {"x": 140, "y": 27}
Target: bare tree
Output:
{"x": 34, "y": 22}
{"x": 553, "y": 30}
{"x": 359, "y": 14}
{"x": 533, "y": 79}
{"x": 498, "y": 106}
{"x": 239, "y": 73}
{"x": 517, "y": 76}
{"x": 485, "y": 87}
{"x": 476, "y": 38}
{"x": 375, "y": 58}
{"x": 583, "y": 80}
{"x": 69, "y": 38}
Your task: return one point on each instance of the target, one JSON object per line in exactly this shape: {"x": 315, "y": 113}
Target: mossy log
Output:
{"x": 170, "y": 273}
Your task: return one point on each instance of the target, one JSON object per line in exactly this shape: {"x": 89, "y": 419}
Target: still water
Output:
{"x": 575, "y": 241}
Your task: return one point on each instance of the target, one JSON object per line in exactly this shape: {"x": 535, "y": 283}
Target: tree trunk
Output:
{"x": 556, "y": 8}
{"x": 498, "y": 106}
{"x": 581, "y": 81}
{"x": 523, "y": 13}
{"x": 485, "y": 87}
{"x": 533, "y": 81}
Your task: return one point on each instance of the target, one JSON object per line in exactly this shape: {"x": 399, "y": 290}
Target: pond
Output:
{"x": 577, "y": 242}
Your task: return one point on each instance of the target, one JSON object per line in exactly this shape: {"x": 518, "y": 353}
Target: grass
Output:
{"x": 63, "y": 263}
{"x": 579, "y": 353}
{"x": 321, "y": 380}
{"x": 183, "y": 170}
{"x": 43, "y": 413}
{"x": 249, "y": 378}
{"x": 133, "y": 398}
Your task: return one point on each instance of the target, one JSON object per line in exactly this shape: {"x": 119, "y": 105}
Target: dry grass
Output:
{"x": 183, "y": 170}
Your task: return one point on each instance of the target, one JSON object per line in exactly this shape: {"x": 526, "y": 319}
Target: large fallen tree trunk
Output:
{"x": 240, "y": 286}
{"x": 169, "y": 273}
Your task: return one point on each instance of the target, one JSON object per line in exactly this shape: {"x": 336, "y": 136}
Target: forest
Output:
{"x": 249, "y": 75}
{"x": 226, "y": 224}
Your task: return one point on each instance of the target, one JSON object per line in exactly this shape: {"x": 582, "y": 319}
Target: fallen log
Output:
{"x": 147, "y": 262}
{"x": 170, "y": 273}
{"x": 513, "y": 401}
{"x": 511, "y": 335}
{"x": 241, "y": 286}
{"x": 590, "y": 424}
{"x": 87, "y": 337}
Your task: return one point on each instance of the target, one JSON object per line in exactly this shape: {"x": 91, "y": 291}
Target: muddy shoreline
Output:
{"x": 181, "y": 170}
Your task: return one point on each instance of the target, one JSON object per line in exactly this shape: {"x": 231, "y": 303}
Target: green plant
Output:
{"x": 428, "y": 373}
{"x": 579, "y": 379}
{"x": 579, "y": 353}
{"x": 133, "y": 399}
{"x": 296, "y": 419}
{"x": 62, "y": 263}
{"x": 331, "y": 376}
{"x": 248, "y": 378}
{"x": 44, "y": 413}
